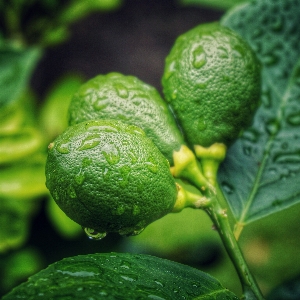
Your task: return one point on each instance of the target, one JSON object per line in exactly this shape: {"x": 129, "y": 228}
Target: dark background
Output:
{"x": 133, "y": 40}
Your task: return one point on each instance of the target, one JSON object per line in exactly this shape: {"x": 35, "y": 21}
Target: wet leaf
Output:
{"x": 120, "y": 276}
{"x": 261, "y": 173}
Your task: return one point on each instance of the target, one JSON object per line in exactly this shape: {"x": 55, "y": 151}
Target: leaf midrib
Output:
{"x": 243, "y": 218}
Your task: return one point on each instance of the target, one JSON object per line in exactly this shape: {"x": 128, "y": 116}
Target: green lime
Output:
{"x": 128, "y": 99}
{"x": 108, "y": 176}
{"x": 212, "y": 81}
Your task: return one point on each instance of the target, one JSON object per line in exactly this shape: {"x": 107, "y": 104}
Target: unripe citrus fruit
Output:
{"x": 212, "y": 81}
{"x": 126, "y": 98}
{"x": 109, "y": 176}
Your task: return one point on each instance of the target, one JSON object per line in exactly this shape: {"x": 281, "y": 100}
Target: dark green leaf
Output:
{"x": 120, "y": 276}
{"x": 16, "y": 68}
{"x": 261, "y": 173}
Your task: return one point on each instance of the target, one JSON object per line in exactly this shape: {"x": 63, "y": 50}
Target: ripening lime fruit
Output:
{"x": 212, "y": 82}
{"x": 130, "y": 100}
{"x": 108, "y": 176}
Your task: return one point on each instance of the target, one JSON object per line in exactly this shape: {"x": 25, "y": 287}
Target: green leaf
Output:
{"x": 261, "y": 173}
{"x": 16, "y": 68}
{"x": 218, "y": 4}
{"x": 120, "y": 276}
{"x": 288, "y": 291}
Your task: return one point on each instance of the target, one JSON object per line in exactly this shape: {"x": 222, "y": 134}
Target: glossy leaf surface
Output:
{"x": 261, "y": 173}
{"x": 120, "y": 276}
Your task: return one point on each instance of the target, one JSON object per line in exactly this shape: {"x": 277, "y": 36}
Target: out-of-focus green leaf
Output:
{"x": 54, "y": 113}
{"x": 66, "y": 227}
{"x": 268, "y": 153}
{"x": 79, "y": 9}
{"x": 18, "y": 266}
{"x": 15, "y": 215}
{"x": 290, "y": 290}
{"x": 218, "y": 4}
{"x": 24, "y": 180}
{"x": 16, "y": 67}
{"x": 17, "y": 145}
{"x": 120, "y": 276}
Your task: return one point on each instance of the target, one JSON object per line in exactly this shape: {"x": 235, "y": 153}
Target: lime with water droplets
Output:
{"x": 130, "y": 100}
{"x": 108, "y": 176}
{"x": 212, "y": 81}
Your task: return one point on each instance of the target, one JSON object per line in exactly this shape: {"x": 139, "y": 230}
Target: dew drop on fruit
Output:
{"x": 111, "y": 153}
{"x": 152, "y": 165}
{"x": 100, "y": 104}
{"x": 121, "y": 90}
{"x": 79, "y": 178}
{"x": 72, "y": 192}
{"x": 201, "y": 124}
{"x": 89, "y": 142}
{"x": 171, "y": 70}
{"x": 199, "y": 57}
{"x": 63, "y": 148}
{"x": 93, "y": 234}
{"x": 272, "y": 127}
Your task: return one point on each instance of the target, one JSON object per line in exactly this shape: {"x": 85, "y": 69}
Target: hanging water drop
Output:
{"x": 93, "y": 234}
{"x": 293, "y": 119}
{"x": 228, "y": 188}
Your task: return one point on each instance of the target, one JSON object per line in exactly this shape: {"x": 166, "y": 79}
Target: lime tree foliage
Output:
{"x": 267, "y": 154}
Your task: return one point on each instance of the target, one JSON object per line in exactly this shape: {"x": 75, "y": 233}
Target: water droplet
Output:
{"x": 111, "y": 153}
{"x": 174, "y": 95}
{"x": 266, "y": 98}
{"x": 277, "y": 24}
{"x": 159, "y": 283}
{"x": 125, "y": 265}
{"x": 79, "y": 178}
{"x": 201, "y": 124}
{"x": 72, "y": 192}
{"x": 89, "y": 142}
{"x": 222, "y": 52}
{"x": 130, "y": 277}
{"x": 63, "y": 148}
{"x": 124, "y": 172}
{"x": 155, "y": 297}
{"x": 251, "y": 135}
{"x": 276, "y": 203}
{"x": 293, "y": 119}
{"x": 86, "y": 162}
{"x": 171, "y": 70}
{"x": 247, "y": 151}
{"x": 285, "y": 158}
{"x": 238, "y": 51}
{"x": 122, "y": 91}
{"x": 106, "y": 174}
{"x": 228, "y": 188}
{"x": 272, "y": 127}
{"x": 152, "y": 165}
{"x": 93, "y": 234}
{"x": 133, "y": 157}
{"x": 199, "y": 57}
{"x": 202, "y": 85}
{"x": 119, "y": 210}
{"x": 270, "y": 59}
{"x": 135, "y": 210}
{"x": 101, "y": 103}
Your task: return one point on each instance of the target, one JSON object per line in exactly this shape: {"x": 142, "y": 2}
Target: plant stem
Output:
{"x": 219, "y": 217}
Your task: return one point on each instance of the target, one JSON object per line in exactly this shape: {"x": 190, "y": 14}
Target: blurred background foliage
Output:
{"x": 47, "y": 49}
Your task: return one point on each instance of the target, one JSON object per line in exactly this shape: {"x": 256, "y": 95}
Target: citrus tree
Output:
{"x": 222, "y": 139}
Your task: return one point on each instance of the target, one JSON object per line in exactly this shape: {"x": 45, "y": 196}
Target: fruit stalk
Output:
{"x": 219, "y": 217}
